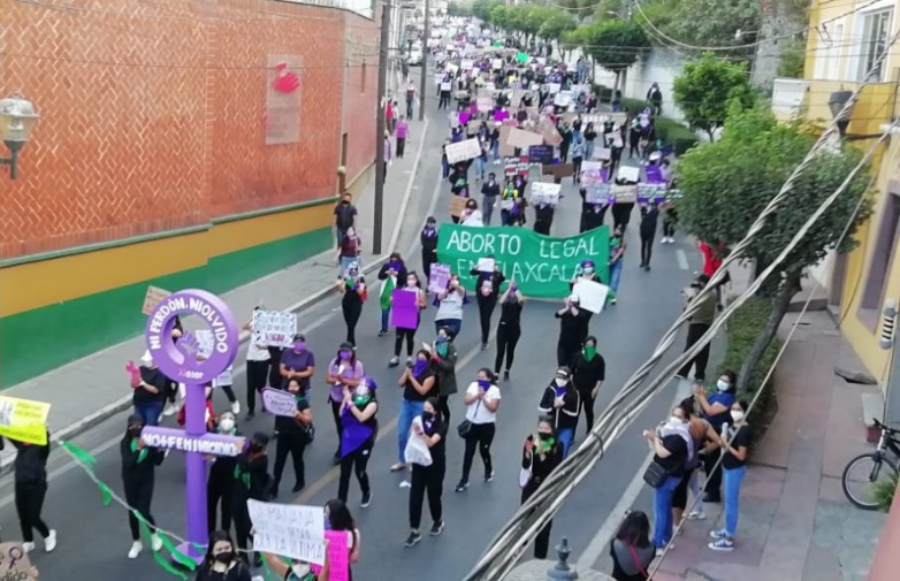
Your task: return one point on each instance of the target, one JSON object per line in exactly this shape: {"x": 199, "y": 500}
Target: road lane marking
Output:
{"x": 682, "y": 259}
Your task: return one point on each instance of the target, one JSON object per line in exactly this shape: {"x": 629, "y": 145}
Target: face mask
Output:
{"x": 345, "y": 354}
{"x": 430, "y": 225}
{"x": 675, "y": 421}
{"x": 441, "y": 338}
{"x": 722, "y": 385}
{"x": 300, "y": 571}
{"x": 394, "y": 265}
{"x": 226, "y": 425}
{"x": 545, "y": 436}
{"x": 484, "y": 384}
{"x": 737, "y": 415}
{"x": 350, "y": 233}
{"x": 427, "y": 416}
{"x": 560, "y": 382}
{"x": 134, "y": 432}
{"x": 346, "y": 203}
{"x": 299, "y": 345}
{"x": 224, "y": 557}
{"x": 327, "y": 521}
{"x": 589, "y": 270}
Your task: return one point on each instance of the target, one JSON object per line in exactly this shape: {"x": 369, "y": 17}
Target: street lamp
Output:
{"x": 17, "y": 119}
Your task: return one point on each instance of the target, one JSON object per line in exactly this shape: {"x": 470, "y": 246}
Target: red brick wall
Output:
{"x": 153, "y": 114}
{"x": 360, "y": 92}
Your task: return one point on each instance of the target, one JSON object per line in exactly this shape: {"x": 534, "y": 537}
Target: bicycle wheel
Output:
{"x": 862, "y": 475}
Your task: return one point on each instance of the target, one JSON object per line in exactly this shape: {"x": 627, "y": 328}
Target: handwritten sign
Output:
{"x": 279, "y": 403}
{"x": 445, "y": 87}
{"x": 629, "y": 174}
{"x": 597, "y": 194}
{"x": 591, "y": 295}
{"x": 545, "y": 193}
{"x": 523, "y": 139}
{"x": 439, "y": 278}
{"x": 468, "y": 149}
{"x": 563, "y": 99}
{"x": 14, "y": 563}
{"x": 338, "y": 556}
{"x": 273, "y": 328}
{"x": 24, "y": 420}
{"x": 288, "y": 530}
{"x": 153, "y": 297}
{"x": 457, "y": 205}
{"x": 485, "y": 104}
{"x": 497, "y": 64}
{"x": 540, "y": 154}
{"x": 623, "y": 194}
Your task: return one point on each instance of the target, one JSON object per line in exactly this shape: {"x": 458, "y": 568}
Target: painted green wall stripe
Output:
{"x": 88, "y": 324}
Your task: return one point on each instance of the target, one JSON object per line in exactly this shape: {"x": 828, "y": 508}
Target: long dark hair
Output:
{"x": 339, "y": 517}
{"x": 215, "y": 538}
{"x": 635, "y": 530}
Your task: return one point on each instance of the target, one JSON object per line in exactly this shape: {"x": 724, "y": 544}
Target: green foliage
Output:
{"x": 499, "y": 17}
{"x": 615, "y": 45}
{"x": 676, "y": 134}
{"x": 793, "y": 59}
{"x": 883, "y": 490}
{"x": 557, "y": 25}
{"x": 706, "y": 88}
{"x": 482, "y": 9}
{"x": 727, "y": 184}
{"x": 702, "y": 22}
{"x": 457, "y": 8}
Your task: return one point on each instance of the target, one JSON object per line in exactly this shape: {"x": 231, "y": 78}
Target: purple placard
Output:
{"x": 279, "y": 403}
{"x": 438, "y": 278}
{"x": 404, "y": 310}
{"x": 463, "y": 117}
{"x": 500, "y": 115}
{"x": 654, "y": 174}
{"x": 208, "y": 444}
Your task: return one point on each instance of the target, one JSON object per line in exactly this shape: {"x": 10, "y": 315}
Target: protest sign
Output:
{"x": 446, "y": 86}
{"x": 540, "y": 154}
{"x": 288, "y": 530}
{"x": 438, "y": 278}
{"x": 548, "y": 130}
{"x": 497, "y": 64}
{"x": 486, "y": 265}
{"x": 554, "y": 88}
{"x": 505, "y": 149}
{"x": 629, "y": 174}
{"x": 439, "y": 78}
{"x": 467, "y": 65}
{"x": 560, "y": 170}
{"x": 226, "y": 378}
{"x": 623, "y": 194}
{"x": 279, "y": 402}
{"x": 542, "y": 266}
{"x": 654, "y": 174}
{"x": 457, "y": 205}
{"x": 523, "y": 139}
{"x": 591, "y": 174}
{"x": 597, "y": 194}
{"x": 14, "y": 563}
{"x": 592, "y": 295}
{"x": 273, "y": 328}
{"x": 545, "y": 193}
{"x": 485, "y": 104}
{"x": 651, "y": 192}
{"x": 24, "y": 420}
{"x": 463, "y": 150}
{"x": 338, "y": 556}
{"x": 404, "y": 310}
{"x": 153, "y": 297}
{"x": 563, "y": 99}
{"x": 601, "y": 153}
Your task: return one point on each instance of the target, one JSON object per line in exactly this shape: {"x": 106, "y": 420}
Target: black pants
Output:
{"x": 486, "y": 307}
{"x": 669, "y": 225}
{"x": 444, "y": 407}
{"x": 139, "y": 494}
{"x": 229, "y": 392}
{"x": 576, "y": 169}
{"x": 444, "y": 101}
{"x": 410, "y": 336}
{"x": 565, "y": 353}
{"x": 336, "y": 416}
{"x": 586, "y": 397}
{"x": 633, "y": 142}
{"x": 646, "y": 248}
{"x": 275, "y": 379}
{"x": 427, "y": 260}
{"x": 695, "y": 331}
{"x": 427, "y": 480}
{"x": 29, "y": 502}
{"x": 409, "y": 108}
{"x": 242, "y": 526}
{"x": 293, "y": 443}
{"x": 680, "y": 496}
{"x": 542, "y": 540}
{"x": 401, "y": 146}
{"x": 507, "y": 339}
{"x": 359, "y": 459}
{"x": 622, "y": 214}
{"x": 481, "y": 436}
{"x": 713, "y": 477}
{"x": 257, "y": 375}
{"x": 591, "y": 220}
{"x": 384, "y": 167}
{"x": 351, "y": 318}
{"x": 219, "y": 489}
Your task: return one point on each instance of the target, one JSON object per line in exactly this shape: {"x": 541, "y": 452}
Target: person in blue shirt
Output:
{"x": 716, "y": 410}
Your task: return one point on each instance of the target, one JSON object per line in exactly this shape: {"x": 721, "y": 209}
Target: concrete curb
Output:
{"x": 123, "y": 404}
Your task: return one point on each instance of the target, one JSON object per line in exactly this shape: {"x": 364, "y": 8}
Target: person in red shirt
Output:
{"x": 389, "y": 116}
{"x": 713, "y": 256}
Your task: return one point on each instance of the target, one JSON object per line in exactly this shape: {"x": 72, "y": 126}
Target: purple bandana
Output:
{"x": 484, "y": 384}
{"x": 419, "y": 367}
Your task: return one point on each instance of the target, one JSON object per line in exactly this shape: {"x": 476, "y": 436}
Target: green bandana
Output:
{"x": 589, "y": 353}
{"x": 242, "y": 476}
{"x": 546, "y": 445}
{"x": 142, "y": 455}
{"x": 442, "y": 349}
{"x": 363, "y": 401}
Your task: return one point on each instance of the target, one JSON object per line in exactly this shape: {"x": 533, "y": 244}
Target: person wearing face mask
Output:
{"x": 444, "y": 358}
{"x": 616, "y": 258}
{"x": 585, "y": 271}
{"x": 699, "y": 324}
{"x": 344, "y": 216}
{"x": 561, "y": 402}
{"x": 392, "y": 273}
{"x": 649, "y": 219}
{"x": 149, "y": 393}
{"x": 588, "y": 375}
{"x": 258, "y": 361}
{"x": 138, "y": 475}
{"x": 345, "y": 370}
{"x": 220, "y": 484}
{"x": 291, "y": 438}
{"x": 509, "y": 329}
{"x": 221, "y": 562}
{"x": 716, "y": 409}
{"x": 418, "y": 383}
{"x": 428, "y": 479}
{"x": 298, "y": 570}
{"x": 704, "y": 441}
{"x": 735, "y": 443}
{"x": 428, "y": 238}
{"x": 352, "y": 288}
{"x": 349, "y": 249}
{"x": 488, "y": 284}
{"x": 450, "y": 306}
{"x": 30, "y": 490}
{"x": 592, "y": 215}
{"x": 359, "y": 427}
{"x": 491, "y": 191}
{"x": 573, "y": 330}
{"x": 482, "y": 400}
{"x": 541, "y": 455}
{"x": 299, "y": 363}
{"x": 673, "y": 449}
{"x": 251, "y": 481}
{"x": 412, "y": 286}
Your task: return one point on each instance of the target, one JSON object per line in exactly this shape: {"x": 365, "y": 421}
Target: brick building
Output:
{"x": 182, "y": 143}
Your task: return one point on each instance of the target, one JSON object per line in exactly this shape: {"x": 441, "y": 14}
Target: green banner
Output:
{"x": 542, "y": 266}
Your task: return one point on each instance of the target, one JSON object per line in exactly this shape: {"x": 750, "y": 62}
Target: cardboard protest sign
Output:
{"x": 404, "y": 310}
{"x": 288, "y": 530}
{"x": 563, "y": 99}
{"x": 24, "y": 420}
{"x": 554, "y": 88}
{"x": 438, "y": 278}
{"x": 597, "y": 194}
{"x": 446, "y": 86}
{"x": 540, "y": 154}
{"x": 279, "y": 402}
{"x": 601, "y": 153}
{"x": 14, "y": 563}
{"x": 485, "y": 104}
{"x": 545, "y": 193}
{"x": 463, "y": 150}
{"x": 497, "y": 64}
{"x": 651, "y": 192}
{"x": 457, "y": 205}
{"x": 153, "y": 297}
{"x": 592, "y": 295}
{"x": 523, "y": 139}
{"x": 273, "y": 328}
{"x": 506, "y": 150}
{"x": 591, "y": 174}
{"x": 548, "y": 130}
{"x": 623, "y": 194}
{"x": 629, "y": 174}
{"x": 560, "y": 170}
{"x": 467, "y": 65}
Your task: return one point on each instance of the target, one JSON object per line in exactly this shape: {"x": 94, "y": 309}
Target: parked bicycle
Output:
{"x": 865, "y": 472}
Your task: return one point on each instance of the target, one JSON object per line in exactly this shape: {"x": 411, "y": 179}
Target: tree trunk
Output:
{"x": 612, "y": 95}
{"x": 780, "y": 303}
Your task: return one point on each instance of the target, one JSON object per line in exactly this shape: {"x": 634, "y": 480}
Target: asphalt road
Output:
{"x": 94, "y": 540}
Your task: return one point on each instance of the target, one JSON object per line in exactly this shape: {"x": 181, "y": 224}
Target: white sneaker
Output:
{"x": 156, "y": 543}
{"x": 50, "y": 542}
{"x": 236, "y": 407}
{"x": 696, "y": 515}
{"x": 171, "y": 410}
{"x": 28, "y": 547}
{"x": 136, "y": 548}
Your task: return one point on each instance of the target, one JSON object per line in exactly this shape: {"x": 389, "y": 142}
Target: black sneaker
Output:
{"x": 489, "y": 477}
{"x": 711, "y": 498}
{"x": 506, "y": 375}
{"x": 298, "y": 487}
{"x": 437, "y": 528}
{"x": 250, "y": 416}
{"x": 412, "y": 540}
{"x": 461, "y": 487}
{"x": 366, "y": 500}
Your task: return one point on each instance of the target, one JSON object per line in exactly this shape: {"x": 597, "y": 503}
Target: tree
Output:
{"x": 556, "y": 26}
{"x": 615, "y": 45}
{"x": 702, "y": 22}
{"x": 706, "y": 88}
{"x": 482, "y": 9}
{"x": 456, "y": 8}
{"x": 727, "y": 184}
{"x": 499, "y": 17}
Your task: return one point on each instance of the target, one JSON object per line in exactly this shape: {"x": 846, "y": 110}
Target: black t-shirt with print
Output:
{"x": 742, "y": 438}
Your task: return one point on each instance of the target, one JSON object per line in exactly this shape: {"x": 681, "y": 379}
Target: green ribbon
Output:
{"x": 160, "y": 559}
{"x": 182, "y": 559}
{"x": 143, "y": 453}
{"x": 106, "y": 492}
{"x": 78, "y": 453}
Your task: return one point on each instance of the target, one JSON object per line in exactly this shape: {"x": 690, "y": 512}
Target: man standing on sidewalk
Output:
{"x": 344, "y": 216}
{"x": 699, "y": 325}
{"x": 410, "y": 97}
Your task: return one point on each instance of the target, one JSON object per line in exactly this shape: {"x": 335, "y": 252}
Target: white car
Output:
{"x": 415, "y": 57}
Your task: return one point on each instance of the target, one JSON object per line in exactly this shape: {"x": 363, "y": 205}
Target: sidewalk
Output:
{"x": 298, "y": 287}
{"x": 795, "y": 523}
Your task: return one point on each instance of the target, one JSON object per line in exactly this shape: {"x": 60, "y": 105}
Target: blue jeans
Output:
{"x": 495, "y": 149}
{"x": 453, "y": 324}
{"x": 732, "y": 479}
{"x": 487, "y": 208}
{"x": 409, "y": 410}
{"x": 479, "y": 167}
{"x": 385, "y": 318}
{"x": 615, "y": 273}
{"x": 566, "y": 436}
{"x": 149, "y": 412}
{"x": 662, "y": 511}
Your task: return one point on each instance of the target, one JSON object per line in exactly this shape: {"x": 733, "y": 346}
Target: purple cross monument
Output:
{"x": 179, "y": 361}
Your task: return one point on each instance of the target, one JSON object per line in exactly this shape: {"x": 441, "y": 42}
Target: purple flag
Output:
{"x": 353, "y": 433}
{"x": 404, "y": 311}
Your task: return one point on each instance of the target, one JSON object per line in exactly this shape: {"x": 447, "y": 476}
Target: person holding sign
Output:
{"x": 339, "y": 520}
{"x": 413, "y": 285}
{"x": 251, "y": 479}
{"x": 298, "y": 362}
{"x": 509, "y": 329}
{"x": 592, "y": 213}
{"x": 150, "y": 392}
{"x": 352, "y": 288}
{"x": 429, "y": 240}
{"x": 450, "y": 306}
{"x": 573, "y": 330}
{"x": 428, "y": 479}
{"x": 358, "y": 430}
{"x": 418, "y": 383}
{"x": 345, "y": 370}
{"x": 291, "y": 437}
{"x": 30, "y": 489}
{"x": 489, "y": 279}
{"x": 221, "y": 562}
{"x": 297, "y": 570}
{"x": 393, "y": 271}
{"x": 138, "y": 475}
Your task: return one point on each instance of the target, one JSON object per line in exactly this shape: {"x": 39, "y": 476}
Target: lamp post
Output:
{"x": 17, "y": 119}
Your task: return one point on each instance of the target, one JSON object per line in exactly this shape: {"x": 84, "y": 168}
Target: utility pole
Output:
{"x": 380, "y": 125}
{"x": 423, "y": 89}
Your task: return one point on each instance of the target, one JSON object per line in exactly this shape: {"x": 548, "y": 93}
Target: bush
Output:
{"x": 681, "y": 137}
{"x": 633, "y": 106}
{"x": 883, "y": 491}
{"x": 604, "y": 93}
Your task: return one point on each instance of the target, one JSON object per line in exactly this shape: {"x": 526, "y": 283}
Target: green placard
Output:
{"x": 498, "y": 44}
{"x": 542, "y": 266}
{"x": 522, "y": 57}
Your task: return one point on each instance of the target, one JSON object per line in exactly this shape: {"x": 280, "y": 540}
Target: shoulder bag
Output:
{"x": 655, "y": 474}
{"x": 464, "y": 429}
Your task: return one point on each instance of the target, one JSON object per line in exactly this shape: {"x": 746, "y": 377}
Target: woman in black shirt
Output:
{"x": 428, "y": 237}
{"x": 736, "y": 445}
{"x": 151, "y": 392}
{"x": 541, "y": 455}
{"x": 592, "y": 215}
{"x": 573, "y": 330}
{"x": 418, "y": 383}
{"x": 561, "y": 402}
{"x": 30, "y": 489}
{"x": 509, "y": 329}
{"x": 631, "y": 550}
{"x": 138, "y": 469}
{"x": 488, "y": 288}
{"x": 433, "y": 430}
{"x": 588, "y": 374}
{"x": 671, "y": 443}
{"x": 352, "y": 288}
{"x": 221, "y": 562}
{"x": 251, "y": 480}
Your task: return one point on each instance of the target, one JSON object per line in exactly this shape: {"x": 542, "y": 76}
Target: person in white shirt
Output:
{"x": 482, "y": 399}
{"x": 258, "y": 361}
{"x": 450, "y": 307}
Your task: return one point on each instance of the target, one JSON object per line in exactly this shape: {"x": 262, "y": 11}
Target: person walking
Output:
{"x": 509, "y": 329}
{"x": 577, "y": 156}
{"x": 297, "y": 362}
{"x": 450, "y": 306}
{"x": 138, "y": 474}
{"x": 616, "y": 255}
{"x": 655, "y": 98}
{"x": 592, "y": 214}
{"x": 349, "y": 250}
{"x": 150, "y": 391}
{"x": 699, "y": 324}
{"x": 561, "y": 402}
{"x": 338, "y": 518}
{"x": 488, "y": 283}
{"x": 391, "y": 273}
{"x": 345, "y": 214}
{"x": 735, "y": 442}
{"x": 671, "y": 444}
{"x": 388, "y": 156}
{"x": 588, "y": 375}
{"x": 251, "y": 480}
{"x": 344, "y": 370}
{"x": 291, "y": 437}
{"x": 429, "y": 238}
{"x": 221, "y": 562}
{"x": 401, "y": 136}
{"x": 30, "y": 491}
{"x": 670, "y": 222}
{"x": 220, "y": 483}
{"x": 352, "y": 288}
{"x": 482, "y": 399}
{"x": 258, "y": 362}
{"x": 573, "y": 330}
{"x": 428, "y": 479}
{"x": 716, "y": 409}
{"x": 649, "y": 219}
{"x": 541, "y": 455}
{"x": 490, "y": 190}
{"x": 631, "y": 550}
{"x": 413, "y": 285}
{"x": 418, "y": 382}
{"x": 410, "y": 97}
{"x": 444, "y": 357}
{"x": 359, "y": 427}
